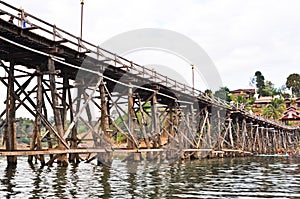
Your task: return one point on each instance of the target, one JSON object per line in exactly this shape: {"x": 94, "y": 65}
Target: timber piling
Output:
{"x": 56, "y": 73}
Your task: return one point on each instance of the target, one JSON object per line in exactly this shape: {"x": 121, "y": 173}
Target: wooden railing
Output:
{"x": 54, "y": 33}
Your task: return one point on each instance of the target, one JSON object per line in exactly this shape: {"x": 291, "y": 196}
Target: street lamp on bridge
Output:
{"x": 193, "y": 79}
{"x": 82, "y": 3}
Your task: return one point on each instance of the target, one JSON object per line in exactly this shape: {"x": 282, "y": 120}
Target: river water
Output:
{"x": 251, "y": 177}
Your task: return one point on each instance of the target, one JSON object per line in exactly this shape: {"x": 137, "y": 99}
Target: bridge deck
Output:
{"x": 42, "y": 44}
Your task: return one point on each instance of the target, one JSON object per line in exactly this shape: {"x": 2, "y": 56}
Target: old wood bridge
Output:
{"x": 47, "y": 71}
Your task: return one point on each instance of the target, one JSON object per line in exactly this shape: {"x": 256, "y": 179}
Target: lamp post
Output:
{"x": 82, "y": 3}
{"x": 193, "y": 80}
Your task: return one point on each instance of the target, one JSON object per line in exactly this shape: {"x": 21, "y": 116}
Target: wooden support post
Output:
{"x": 36, "y": 135}
{"x": 144, "y": 125}
{"x": 267, "y": 142}
{"x": 284, "y": 139}
{"x": 156, "y": 122}
{"x": 74, "y": 158}
{"x": 260, "y": 140}
{"x": 251, "y": 137}
{"x": 263, "y": 140}
{"x": 104, "y": 158}
{"x": 10, "y": 127}
{"x": 244, "y": 134}
{"x": 230, "y": 133}
{"x": 172, "y": 134}
{"x": 275, "y": 142}
{"x": 208, "y": 133}
{"x": 238, "y": 137}
{"x": 61, "y": 159}
{"x": 219, "y": 130}
{"x": 104, "y": 111}
{"x": 48, "y": 136}
{"x": 192, "y": 122}
{"x": 224, "y": 136}
{"x": 64, "y": 100}
{"x": 132, "y": 124}
{"x": 255, "y": 146}
{"x": 195, "y": 155}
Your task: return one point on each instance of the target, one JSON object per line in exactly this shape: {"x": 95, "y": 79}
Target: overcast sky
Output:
{"x": 240, "y": 37}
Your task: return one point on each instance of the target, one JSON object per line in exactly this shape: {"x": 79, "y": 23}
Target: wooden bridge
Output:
{"x": 48, "y": 71}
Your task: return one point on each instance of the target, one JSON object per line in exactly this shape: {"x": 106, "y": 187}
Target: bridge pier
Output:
{"x": 10, "y": 126}
{"x": 62, "y": 158}
{"x": 36, "y": 135}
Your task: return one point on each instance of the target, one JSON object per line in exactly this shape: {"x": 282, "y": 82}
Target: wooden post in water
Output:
{"x": 62, "y": 158}
{"x": 144, "y": 124}
{"x": 10, "y": 127}
{"x": 251, "y": 137}
{"x": 36, "y": 135}
{"x": 132, "y": 124}
{"x": 230, "y": 133}
{"x": 172, "y": 134}
{"x": 48, "y": 136}
{"x": 238, "y": 136}
{"x": 104, "y": 111}
{"x": 74, "y": 158}
{"x": 107, "y": 156}
{"x": 155, "y": 121}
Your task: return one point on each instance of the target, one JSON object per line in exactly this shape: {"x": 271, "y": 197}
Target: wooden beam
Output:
{"x": 57, "y": 113}
{"x": 10, "y": 128}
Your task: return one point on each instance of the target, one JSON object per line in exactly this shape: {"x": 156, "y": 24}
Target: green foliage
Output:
{"x": 82, "y": 129}
{"x": 274, "y": 110}
{"x": 269, "y": 89}
{"x": 240, "y": 99}
{"x": 293, "y": 82}
{"x": 120, "y": 123}
{"x": 208, "y": 92}
{"x": 24, "y": 128}
{"x": 223, "y": 93}
{"x": 121, "y": 138}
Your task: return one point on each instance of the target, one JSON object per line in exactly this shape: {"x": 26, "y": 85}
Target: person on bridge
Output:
{"x": 11, "y": 19}
{"x": 24, "y": 19}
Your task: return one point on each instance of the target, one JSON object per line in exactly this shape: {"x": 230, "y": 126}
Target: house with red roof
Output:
{"x": 290, "y": 115}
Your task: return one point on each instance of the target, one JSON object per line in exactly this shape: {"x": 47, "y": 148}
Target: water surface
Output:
{"x": 252, "y": 177}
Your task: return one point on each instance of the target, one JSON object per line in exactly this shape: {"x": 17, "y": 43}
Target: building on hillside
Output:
{"x": 292, "y": 102}
{"x": 247, "y": 93}
{"x": 262, "y": 101}
{"x": 291, "y": 115}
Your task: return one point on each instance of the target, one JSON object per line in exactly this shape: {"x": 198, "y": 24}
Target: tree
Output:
{"x": 242, "y": 100}
{"x": 293, "y": 82}
{"x": 269, "y": 89}
{"x": 260, "y": 82}
{"x": 223, "y": 93}
{"x": 275, "y": 109}
{"x": 208, "y": 92}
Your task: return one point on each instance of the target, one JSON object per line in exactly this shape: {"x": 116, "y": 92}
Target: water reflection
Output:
{"x": 37, "y": 180}
{"x": 218, "y": 178}
{"x": 104, "y": 182}
{"x": 8, "y": 182}
{"x": 74, "y": 180}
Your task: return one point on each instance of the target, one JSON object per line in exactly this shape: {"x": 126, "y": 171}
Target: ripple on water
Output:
{"x": 216, "y": 178}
